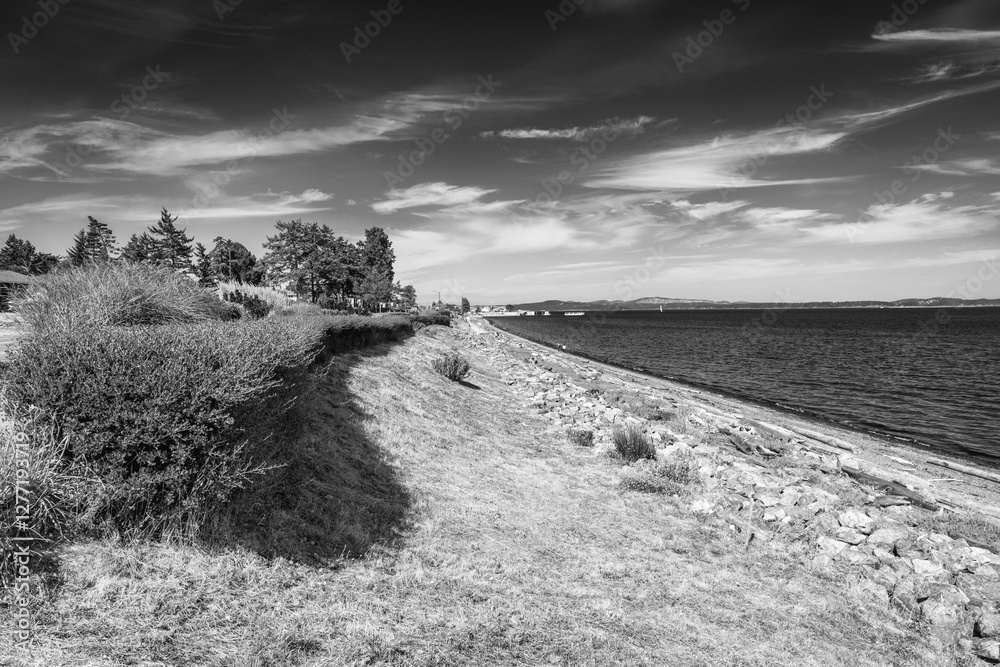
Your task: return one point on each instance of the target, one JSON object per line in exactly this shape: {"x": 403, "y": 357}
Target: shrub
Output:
{"x": 123, "y": 294}
{"x": 581, "y": 437}
{"x": 254, "y": 307}
{"x": 429, "y": 317}
{"x": 632, "y": 443}
{"x": 453, "y": 366}
{"x": 169, "y": 417}
{"x": 679, "y": 469}
{"x": 275, "y": 298}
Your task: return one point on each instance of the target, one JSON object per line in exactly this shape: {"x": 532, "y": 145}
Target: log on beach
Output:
{"x": 993, "y": 477}
{"x": 824, "y": 438}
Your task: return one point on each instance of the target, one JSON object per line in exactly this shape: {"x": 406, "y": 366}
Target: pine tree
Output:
{"x": 21, "y": 256}
{"x": 139, "y": 249}
{"x": 77, "y": 255}
{"x": 100, "y": 242}
{"x": 173, "y": 246}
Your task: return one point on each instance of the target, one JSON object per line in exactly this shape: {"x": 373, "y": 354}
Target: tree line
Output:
{"x": 305, "y": 258}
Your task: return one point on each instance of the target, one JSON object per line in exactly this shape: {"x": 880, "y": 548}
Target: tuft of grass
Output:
{"x": 644, "y": 482}
{"x": 632, "y": 443}
{"x": 453, "y": 366}
{"x": 581, "y": 437}
{"x": 122, "y": 294}
{"x": 679, "y": 470}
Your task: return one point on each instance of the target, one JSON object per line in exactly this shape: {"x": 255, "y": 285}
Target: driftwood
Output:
{"x": 966, "y": 469}
{"x": 772, "y": 429}
{"x": 824, "y": 438}
{"x": 891, "y": 487}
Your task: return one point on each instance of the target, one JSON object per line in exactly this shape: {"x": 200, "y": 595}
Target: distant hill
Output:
{"x": 654, "y": 303}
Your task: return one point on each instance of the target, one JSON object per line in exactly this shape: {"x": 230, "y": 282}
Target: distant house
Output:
{"x": 10, "y": 283}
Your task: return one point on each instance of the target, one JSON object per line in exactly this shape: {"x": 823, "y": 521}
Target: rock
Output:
{"x": 944, "y": 618}
{"x": 856, "y": 519}
{"x": 987, "y": 649}
{"x": 702, "y": 506}
{"x": 858, "y": 556}
{"x": 883, "y": 555}
{"x": 908, "y": 549}
{"x": 921, "y": 566}
{"x": 849, "y": 535}
{"x": 830, "y": 547}
{"x": 904, "y": 598}
{"x": 767, "y": 500}
{"x": 825, "y": 523}
{"x": 988, "y": 625}
{"x": 984, "y": 592}
{"x": 887, "y": 537}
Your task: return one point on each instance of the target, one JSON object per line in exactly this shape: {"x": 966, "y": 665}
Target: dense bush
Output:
{"x": 117, "y": 295}
{"x": 167, "y": 416}
{"x": 275, "y": 298}
{"x": 429, "y": 317}
{"x": 632, "y": 443}
{"x": 453, "y": 366}
{"x": 581, "y": 437}
{"x": 254, "y": 307}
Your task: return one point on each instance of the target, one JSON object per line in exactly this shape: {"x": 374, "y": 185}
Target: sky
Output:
{"x": 738, "y": 150}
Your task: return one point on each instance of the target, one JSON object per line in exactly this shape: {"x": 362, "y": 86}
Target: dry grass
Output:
{"x": 277, "y": 299}
{"x": 481, "y": 538}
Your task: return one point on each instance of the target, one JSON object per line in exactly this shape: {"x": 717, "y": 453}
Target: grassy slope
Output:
{"x": 488, "y": 540}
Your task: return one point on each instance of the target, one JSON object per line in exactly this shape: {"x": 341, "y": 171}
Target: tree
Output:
{"x": 100, "y": 242}
{"x": 405, "y": 296}
{"x": 230, "y": 260}
{"x": 173, "y": 246}
{"x": 377, "y": 256}
{"x": 139, "y": 249}
{"x": 465, "y": 306}
{"x": 375, "y": 289}
{"x": 202, "y": 266}
{"x": 21, "y": 256}
{"x": 77, "y": 255}
{"x": 309, "y": 258}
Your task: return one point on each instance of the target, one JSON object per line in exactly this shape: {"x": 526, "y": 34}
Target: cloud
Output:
{"x": 727, "y": 162}
{"x": 935, "y": 35}
{"x": 966, "y": 167}
{"x": 855, "y": 120}
{"x": 709, "y": 210}
{"x": 911, "y": 222}
{"x": 429, "y": 194}
{"x": 628, "y": 127}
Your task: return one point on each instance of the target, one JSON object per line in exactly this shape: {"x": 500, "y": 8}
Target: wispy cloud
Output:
{"x": 439, "y": 195}
{"x": 716, "y": 164}
{"x": 939, "y": 35}
{"x": 627, "y": 127}
{"x": 965, "y": 167}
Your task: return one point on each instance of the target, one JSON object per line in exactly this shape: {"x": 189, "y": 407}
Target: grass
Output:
{"x": 632, "y": 443}
{"x": 119, "y": 294}
{"x": 476, "y": 536}
{"x": 276, "y": 298}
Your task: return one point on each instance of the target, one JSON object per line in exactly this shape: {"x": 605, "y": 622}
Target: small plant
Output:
{"x": 647, "y": 483}
{"x": 453, "y": 366}
{"x": 678, "y": 470}
{"x": 632, "y": 443}
{"x": 581, "y": 437}
{"x": 254, "y": 306}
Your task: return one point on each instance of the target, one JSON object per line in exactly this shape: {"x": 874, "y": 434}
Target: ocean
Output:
{"x": 927, "y": 376}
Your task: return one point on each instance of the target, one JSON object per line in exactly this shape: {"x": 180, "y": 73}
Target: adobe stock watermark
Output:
{"x": 901, "y": 15}
{"x": 913, "y": 167}
{"x": 22, "y": 540}
{"x": 582, "y": 158}
{"x": 454, "y": 119}
{"x": 696, "y": 44}
{"x": 372, "y": 29}
{"x": 562, "y": 13}
{"x": 31, "y": 25}
{"x": 967, "y": 289}
{"x": 796, "y": 119}
{"x": 123, "y": 106}
{"x": 762, "y": 322}
{"x": 223, "y": 7}
{"x": 210, "y": 185}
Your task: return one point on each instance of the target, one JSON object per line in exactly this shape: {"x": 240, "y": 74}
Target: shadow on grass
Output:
{"x": 465, "y": 383}
{"x": 332, "y": 493}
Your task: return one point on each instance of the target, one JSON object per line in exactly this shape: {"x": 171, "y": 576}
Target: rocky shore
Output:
{"x": 920, "y": 534}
